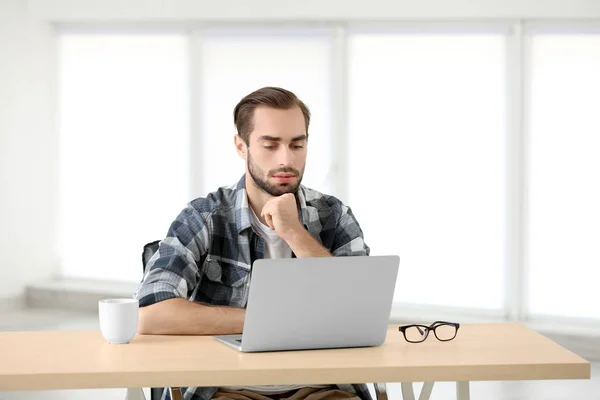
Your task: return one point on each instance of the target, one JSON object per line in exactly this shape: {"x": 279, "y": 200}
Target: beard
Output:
{"x": 273, "y": 189}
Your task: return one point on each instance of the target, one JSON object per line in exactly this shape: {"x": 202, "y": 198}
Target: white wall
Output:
{"x": 28, "y": 150}
{"x": 314, "y": 10}
{"x": 28, "y": 140}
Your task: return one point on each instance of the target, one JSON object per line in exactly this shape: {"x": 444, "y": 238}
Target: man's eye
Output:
{"x": 298, "y": 147}
{"x": 269, "y": 147}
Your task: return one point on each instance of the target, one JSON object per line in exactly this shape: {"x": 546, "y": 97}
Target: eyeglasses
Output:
{"x": 443, "y": 331}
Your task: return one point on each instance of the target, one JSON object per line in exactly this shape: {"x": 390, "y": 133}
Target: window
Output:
{"x": 123, "y": 148}
{"x": 237, "y": 63}
{"x": 564, "y": 171}
{"x": 427, "y": 171}
{"x": 427, "y": 122}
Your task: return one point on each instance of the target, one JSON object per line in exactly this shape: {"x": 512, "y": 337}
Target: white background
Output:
{"x": 551, "y": 204}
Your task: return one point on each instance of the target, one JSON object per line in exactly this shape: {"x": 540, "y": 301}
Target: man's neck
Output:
{"x": 257, "y": 198}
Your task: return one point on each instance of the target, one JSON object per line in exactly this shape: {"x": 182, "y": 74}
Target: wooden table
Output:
{"x": 46, "y": 360}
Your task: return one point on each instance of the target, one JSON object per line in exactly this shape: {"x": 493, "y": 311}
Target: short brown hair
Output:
{"x": 273, "y": 97}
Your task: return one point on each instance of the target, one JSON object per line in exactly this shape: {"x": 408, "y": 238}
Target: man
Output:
{"x": 198, "y": 281}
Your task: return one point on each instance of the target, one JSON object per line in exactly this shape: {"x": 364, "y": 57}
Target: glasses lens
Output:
{"x": 445, "y": 332}
{"x": 415, "y": 334}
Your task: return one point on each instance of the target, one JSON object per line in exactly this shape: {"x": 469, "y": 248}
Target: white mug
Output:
{"x": 118, "y": 319}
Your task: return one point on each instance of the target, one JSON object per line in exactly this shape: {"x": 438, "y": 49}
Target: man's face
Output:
{"x": 276, "y": 155}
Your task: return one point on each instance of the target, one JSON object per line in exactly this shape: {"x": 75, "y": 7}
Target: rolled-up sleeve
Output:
{"x": 173, "y": 272}
{"x": 349, "y": 240}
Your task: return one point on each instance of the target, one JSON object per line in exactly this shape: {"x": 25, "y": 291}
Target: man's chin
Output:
{"x": 283, "y": 188}
{"x": 276, "y": 189}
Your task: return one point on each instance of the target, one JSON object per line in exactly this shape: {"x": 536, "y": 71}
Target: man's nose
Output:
{"x": 285, "y": 157}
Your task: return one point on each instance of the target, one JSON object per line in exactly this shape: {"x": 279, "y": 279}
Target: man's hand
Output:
{"x": 281, "y": 214}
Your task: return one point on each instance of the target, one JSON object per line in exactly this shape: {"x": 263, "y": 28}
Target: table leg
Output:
{"x": 135, "y": 394}
{"x": 462, "y": 390}
{"x": 407, "y": 391}
{"x": 426, "y": 390}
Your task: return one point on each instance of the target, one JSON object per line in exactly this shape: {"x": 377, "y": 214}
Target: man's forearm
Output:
{"x": 304, "y": 245}
{"x": 183, "y": 317}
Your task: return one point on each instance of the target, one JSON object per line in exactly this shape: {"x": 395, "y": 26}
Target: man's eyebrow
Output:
{"x": 270, "y": 138}
{"x": 278, "y": 139}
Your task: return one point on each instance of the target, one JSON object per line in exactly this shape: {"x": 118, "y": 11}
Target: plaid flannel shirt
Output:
{"x": 210, "y": 247}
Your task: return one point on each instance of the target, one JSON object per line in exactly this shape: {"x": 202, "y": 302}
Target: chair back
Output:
{"x": 147, "y": 253}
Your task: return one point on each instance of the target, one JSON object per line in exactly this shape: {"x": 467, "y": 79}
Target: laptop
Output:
{"x": 317, "y": 303}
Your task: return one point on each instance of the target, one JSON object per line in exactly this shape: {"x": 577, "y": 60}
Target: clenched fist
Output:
{"x": 281, "y": 215}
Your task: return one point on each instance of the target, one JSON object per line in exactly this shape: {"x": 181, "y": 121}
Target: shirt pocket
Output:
{"x": 226, "y": 273}
{"x": 223, "y": 283}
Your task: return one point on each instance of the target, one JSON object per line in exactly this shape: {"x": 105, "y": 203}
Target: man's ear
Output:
{"x": 240, "y": 146}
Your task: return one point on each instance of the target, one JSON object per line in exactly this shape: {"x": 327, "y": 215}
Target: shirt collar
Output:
{"x": 243, "y": 218}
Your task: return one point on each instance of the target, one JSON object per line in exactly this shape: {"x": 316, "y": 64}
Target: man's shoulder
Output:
{"x": 219, "y": 201}
{"x": 321, "y": 201}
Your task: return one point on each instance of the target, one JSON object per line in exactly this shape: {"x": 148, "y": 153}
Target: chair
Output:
{"x": 156, "y": 393}
{"x": 147, "y": 253}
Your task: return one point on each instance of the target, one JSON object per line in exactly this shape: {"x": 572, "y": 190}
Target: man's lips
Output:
{"x": 284, "y": 177}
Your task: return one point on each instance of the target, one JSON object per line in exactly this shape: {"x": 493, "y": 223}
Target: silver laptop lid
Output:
{"x": 311, "y": 303}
